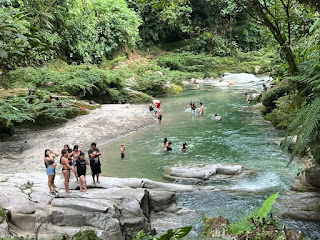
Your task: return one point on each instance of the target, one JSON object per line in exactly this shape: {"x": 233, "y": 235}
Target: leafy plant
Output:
{"x": 171, "y": 234}
{"x": 248, "y": 222}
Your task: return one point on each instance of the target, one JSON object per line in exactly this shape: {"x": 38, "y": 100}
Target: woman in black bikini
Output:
{"x": 74, "y": 156}
{"x": 81, "y": 168}
{"x": 66, "y": 167}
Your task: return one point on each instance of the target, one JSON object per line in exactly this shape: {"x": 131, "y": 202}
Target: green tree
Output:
{"x": 99, "y": 28}
{"x": 284, "y": 19}
{"x": 162, "y": 19}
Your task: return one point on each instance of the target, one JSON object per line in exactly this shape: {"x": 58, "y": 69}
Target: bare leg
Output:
{"x": 50, "y": 182}
{"x": 83, "y": 183}
{"x": 94, "y": 182}
{"x": 66, "y": 174}
{"x": 98, "y": 178}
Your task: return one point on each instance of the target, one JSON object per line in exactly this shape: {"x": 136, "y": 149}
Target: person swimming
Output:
{"x": 169, "y": 147}
{"x": 217, "y": 117}
{"x": 165, "y": 143}
{"x": 184, "y": 147}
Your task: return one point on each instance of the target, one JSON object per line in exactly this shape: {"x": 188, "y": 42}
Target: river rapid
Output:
{"x": 242, "y": 137}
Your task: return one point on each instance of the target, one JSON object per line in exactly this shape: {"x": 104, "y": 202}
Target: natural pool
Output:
{"x": 242, "y": 137}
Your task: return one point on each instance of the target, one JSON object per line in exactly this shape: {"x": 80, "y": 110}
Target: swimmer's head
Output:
{"x": 75, "y": 148}
{"x": 93, "y": 145}
{"x": 246, "y": 94}
{"x": 216, "y": 115}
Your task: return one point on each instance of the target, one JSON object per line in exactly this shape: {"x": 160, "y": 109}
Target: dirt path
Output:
{"x": 24, "y": 152}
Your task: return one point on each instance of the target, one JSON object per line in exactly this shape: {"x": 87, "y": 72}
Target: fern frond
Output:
{"x": 246, "y": 224}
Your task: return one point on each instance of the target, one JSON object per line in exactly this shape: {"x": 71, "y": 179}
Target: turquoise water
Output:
{"x": 242, "y": 137}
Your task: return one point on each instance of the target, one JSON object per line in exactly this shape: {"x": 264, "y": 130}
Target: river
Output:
{"x": 242, "y": 137}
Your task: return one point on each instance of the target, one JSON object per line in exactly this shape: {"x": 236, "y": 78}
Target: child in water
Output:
{"x": 184, "y": 147}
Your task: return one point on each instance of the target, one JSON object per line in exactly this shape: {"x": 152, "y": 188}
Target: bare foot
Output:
{"x": 86, "y": 192}
{"x": 69, "y": 191}
{"x": 98, "y": 181}
{"x": 94, "y": 182}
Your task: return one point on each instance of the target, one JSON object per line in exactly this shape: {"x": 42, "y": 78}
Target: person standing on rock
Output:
{"x": 94, "y": 155}
{"x": 81, "y": 168}
{"x": 74, "y": 156}
{"x": 49, "y": 157}
{"x": 67, "y": 166}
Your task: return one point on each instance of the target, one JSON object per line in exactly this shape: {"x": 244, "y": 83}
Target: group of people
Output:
{"x": 73, "y": 160}
{"x": 168, "y": 146}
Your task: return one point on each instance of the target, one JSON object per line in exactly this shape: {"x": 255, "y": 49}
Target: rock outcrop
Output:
{"x": 115, "y": 209}
{"x": 212, "y": 172}
{"x": 303, "y": 206}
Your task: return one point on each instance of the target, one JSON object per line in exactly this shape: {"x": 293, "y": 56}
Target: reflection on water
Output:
{"x": 242, "y": 137}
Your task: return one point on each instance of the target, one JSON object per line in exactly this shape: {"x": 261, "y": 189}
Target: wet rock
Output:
{"x": 300, "y": 206}
{"x": 301, "y": 185}
{"x": 204, "y": 172}
{"x": 240, "y": 78}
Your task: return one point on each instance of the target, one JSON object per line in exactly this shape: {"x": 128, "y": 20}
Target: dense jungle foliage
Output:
{"x": 55, "y": 52}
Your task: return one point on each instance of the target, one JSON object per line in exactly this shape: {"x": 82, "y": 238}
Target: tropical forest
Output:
{"x": 160, "y": 119}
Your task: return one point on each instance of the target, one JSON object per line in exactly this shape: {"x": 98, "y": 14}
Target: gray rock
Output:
{"x": 203, "y": 172}
{"x": 163, "y": 201}
{"x": 300, "y": 206}
{"x": 4, "y": 229}
{"x": 313, "y": 176}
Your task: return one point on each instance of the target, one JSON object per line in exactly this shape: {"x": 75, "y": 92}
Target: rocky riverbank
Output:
{"x": 24, "y": 151}
{"x": 115, "y": 208}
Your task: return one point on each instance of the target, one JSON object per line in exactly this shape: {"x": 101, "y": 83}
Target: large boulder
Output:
{"x": 209, "y": 172}
{"x": 115, "y": 208}
{"x": 240, "y": 78}
{"x": 303, "y": 206}
{"x": 313, "y": 176}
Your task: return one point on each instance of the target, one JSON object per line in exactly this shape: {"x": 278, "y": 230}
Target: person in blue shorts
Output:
{"x": 49, "y": 157}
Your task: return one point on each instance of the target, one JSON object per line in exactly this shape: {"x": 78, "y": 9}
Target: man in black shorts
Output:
{"x": 95, "y": 164}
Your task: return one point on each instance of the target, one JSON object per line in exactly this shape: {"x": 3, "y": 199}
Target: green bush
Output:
{"x": 83, "y": 81}
{"x": 85, "y": 235}
{"x": 275, "y": 93}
